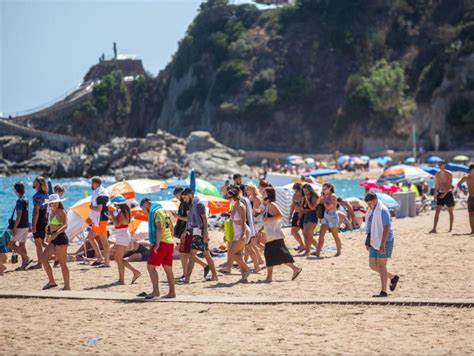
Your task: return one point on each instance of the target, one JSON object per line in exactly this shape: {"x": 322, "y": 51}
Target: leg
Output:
{"x": 39, "y": 249}
{"x": 170, "y": 277}
{"x": 154, "y": 281}
{"x": 61, "y": 254}
{"x": 308, "y": 236}
{"x": 451, "y": 218}
{"x": 295, "y": 231}
{"x": 119, "y": 252}
{"x": 105, "y": 244}
{"x": 19, "y": 250}
{"x": 211, "y": 265}
{"x": 44, "y": 260}
{"x": 471, "y": 221}
{"x": 184, "y": 262}
{"x": 269, "y": 274}
{"x": 252, "y": 251}
{"x": 136, "y": 273}
{"x": 337, "y": 239}
{"x": 95, "y": 246}
{"x": 373, "y": 265}
{"x": 436, "y": 218}
{"x": 236, "y": 250}
{"x": 382, "y": 266}
{"x": 322, "y": 233}
{"x": 190, "y": 265}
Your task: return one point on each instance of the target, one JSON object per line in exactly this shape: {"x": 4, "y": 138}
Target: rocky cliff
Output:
{"x": 314, "y": 76}
{"x": 158, "y": 155}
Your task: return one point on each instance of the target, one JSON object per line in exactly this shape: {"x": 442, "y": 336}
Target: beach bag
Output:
{"x": 228, "y": 230}
{"x": 320, "y": 209}
{"x": 11, "y": 221}
{"x": 4, "y": 241}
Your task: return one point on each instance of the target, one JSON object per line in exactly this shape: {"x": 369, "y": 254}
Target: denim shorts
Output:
{"x": 331, "y": 219}
{"x": 310, "y": 217}
{"x": 373, "y": 253}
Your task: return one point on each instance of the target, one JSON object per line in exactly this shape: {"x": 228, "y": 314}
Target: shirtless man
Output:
{"x": 469, "y": 180}
{"x": 444, "y": 195}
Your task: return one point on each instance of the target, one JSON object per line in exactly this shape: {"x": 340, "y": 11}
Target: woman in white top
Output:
{"x": 257, "y": 244}
{"x": 276, "y": 252}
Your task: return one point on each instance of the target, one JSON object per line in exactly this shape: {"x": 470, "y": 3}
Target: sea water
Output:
{"x": 77, "y": 188}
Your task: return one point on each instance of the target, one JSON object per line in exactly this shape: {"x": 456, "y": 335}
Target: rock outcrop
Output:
{"x": 159, "y": 155}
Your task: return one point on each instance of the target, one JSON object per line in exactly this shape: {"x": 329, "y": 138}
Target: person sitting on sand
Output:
{"x": 276, "y": 253}
{"x": 444, "y": 195}
{"x": 121, "y": 217}
{"x": 57, "y": 242}
{"x": 139, "y": 252}
{"x": 296, "y": 215}
{"x": 160, "y": 235}
{"x": 379, "y": 241}
{"x": 241, "y": 234}
{"x": 197, "y": 224}
{"x": 469, "y": 180}
{"x": 330, "y": 221}
{"x": 20, "y": 226}
{"x": 346, "y": 207}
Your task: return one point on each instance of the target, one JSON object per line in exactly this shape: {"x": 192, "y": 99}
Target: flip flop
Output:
{"x": 149, "y": 296}
{"x": 297, "y": 274}
{"x": 135, "y": 278}
{"x": 142, "y": 294}
{"x": 394, "y": 282}
{"x": 97, "y": 263}
{"x": 49, "y": 286}
{"x": 103, "y": 266}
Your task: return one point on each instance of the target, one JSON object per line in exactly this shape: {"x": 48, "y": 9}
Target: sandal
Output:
{"x": 142, "y": 294}
{"x": 49, "y": 286}
{"x": 295, "y": 275}
{"x": 97, "y": 263}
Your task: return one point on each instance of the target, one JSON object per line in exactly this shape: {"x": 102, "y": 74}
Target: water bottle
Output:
{"x": 14, "y": 257}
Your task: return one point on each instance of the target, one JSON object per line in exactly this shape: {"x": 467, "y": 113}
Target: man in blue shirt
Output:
{"x": 20, "y": 226}
{"x": 380, "y": 241}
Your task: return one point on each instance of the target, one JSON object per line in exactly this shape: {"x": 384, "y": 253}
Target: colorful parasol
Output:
{"x": 401, "y": 173}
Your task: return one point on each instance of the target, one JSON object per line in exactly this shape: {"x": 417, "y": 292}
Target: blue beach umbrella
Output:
{"x": 430, "y": 170}
{"x": 457, "y": 167}
{"x": 321, "y": 172}
{"x": 342, "y": 160}
{"x": 409, "y": 160}
{"x": 365, "y": 158}
{"x": 433, "y": 159}
{"x": 387, "y": 200}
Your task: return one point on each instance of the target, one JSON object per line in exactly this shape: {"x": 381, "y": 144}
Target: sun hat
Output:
{"x": 118, "y": 199}
{"x": 53, "y": 198}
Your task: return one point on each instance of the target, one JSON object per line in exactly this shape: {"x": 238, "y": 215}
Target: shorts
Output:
{"x": 164, "y": 256}
{"x": 122, "y": 236}
{"x": 60, "y": 240}
{"x": 100, "y": 230}
{"x": 21, "y": 234}
{"x": 40, "y": 232}
{"x": 310, "y": 217}
{"x": 141, "y": 250}
{"x": 330, "y": 219}
{"x": 199, "y": 244}
{"x": 448, "y": 200}
{"x": 295, "y": 218}
{"x": 185, "y": 247}
{"x": 470, "y": 204}
{"x": 373, "y": 253}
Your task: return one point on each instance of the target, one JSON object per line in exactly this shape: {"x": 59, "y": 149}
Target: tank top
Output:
{"x": 272, "y": 228}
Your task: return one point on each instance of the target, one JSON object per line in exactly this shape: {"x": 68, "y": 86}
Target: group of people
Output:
{"x": 254, "y": 232}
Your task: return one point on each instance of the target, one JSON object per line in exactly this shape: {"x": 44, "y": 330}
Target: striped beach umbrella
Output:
{"x": 401, "y": 173}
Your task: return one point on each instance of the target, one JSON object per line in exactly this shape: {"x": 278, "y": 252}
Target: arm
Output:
{"x": 35, "y": 219}
{"x": 19, "y": 213}
{"x": 332, "y": 204}
{"x": 273, "y": 209}
{"x": 461, "y": 182}
{"x": 158, "y": 236}
{"x": 292, "y": 209}
{"x": 242, "y": 221}
{"x": 436, "y": 185}
{"x": 313, "y": 203}
{"x": 386, "y": 229}
{"x": 96, "y": 208}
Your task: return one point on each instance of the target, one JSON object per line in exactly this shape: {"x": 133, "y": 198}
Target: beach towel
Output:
{"x": 249, "y": 213}
{"x": 151, "y": 223}
{"x": 376, "y": 225}
{"x": 95, "y": 215}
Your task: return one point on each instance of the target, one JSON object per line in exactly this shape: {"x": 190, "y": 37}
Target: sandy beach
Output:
{"x": 430, "y": 266}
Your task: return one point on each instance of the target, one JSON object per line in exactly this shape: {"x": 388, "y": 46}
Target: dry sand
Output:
{"x": 430, "y": 266}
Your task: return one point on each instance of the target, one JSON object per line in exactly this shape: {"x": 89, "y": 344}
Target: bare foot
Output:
{"x": 212, "y": 279}
{"x": 135, "y": 277}
{"x": 66, "y": 288}
{"x": 152, "y": 295}
{"x": 296, "y": 274}
{"x": 267, "y": 281}
{"x": 120, "y": 283}
{"x": 433, "y": 231}
{"x": 169, "y": 296}
{"x": 337, "y": 254}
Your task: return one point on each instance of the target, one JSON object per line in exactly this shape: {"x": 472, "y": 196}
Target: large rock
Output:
{"x": 18, "y": 149}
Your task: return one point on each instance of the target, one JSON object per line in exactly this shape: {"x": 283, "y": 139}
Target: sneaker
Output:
{"x": 393, "y": 283}
{"x": 381, "y": 295}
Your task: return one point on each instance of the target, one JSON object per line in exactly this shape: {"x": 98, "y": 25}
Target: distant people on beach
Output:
{"x": 160, "y": 235}
{"x": 57, "y": 242}
{"x": 310, "y": 217}
{"x": 444, "y": 195}
{"x": 379, "y": 242}
{"x": 98, "y": 220}
{"x": 19, "y": 226}
{"x": 39, "y": 221}
{"x": 297, "y": 214}
{"x": 469, "y": 180}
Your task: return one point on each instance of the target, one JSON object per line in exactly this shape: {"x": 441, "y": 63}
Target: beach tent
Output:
{"x": 461, "y": 158}
{"x": 433, "y": 159}
{"x": 457, "y": 167}
{"x": 401, "y": 173}
{"x": 409, "y": 160}
{"x": 387, "y": 200}
{"x": 321, "y": 172}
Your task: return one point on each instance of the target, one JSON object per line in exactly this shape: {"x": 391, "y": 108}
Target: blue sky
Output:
{"x": 48, "y": 46}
